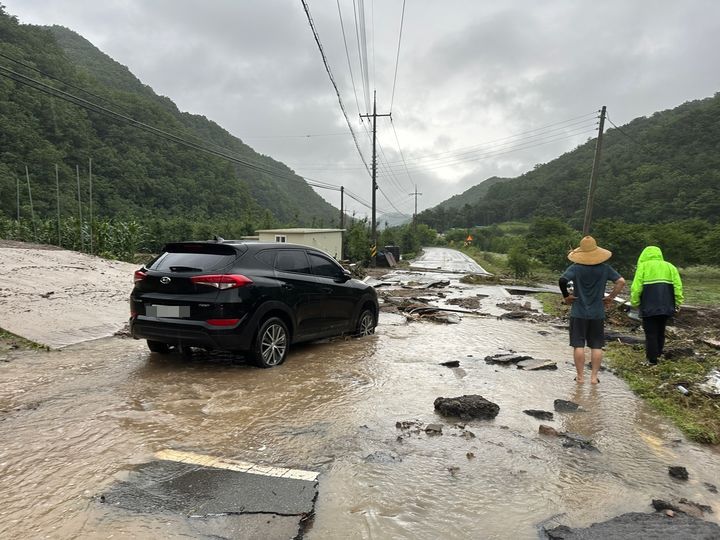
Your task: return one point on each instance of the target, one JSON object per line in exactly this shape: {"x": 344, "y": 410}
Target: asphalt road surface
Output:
{"x": 447, "y": 260}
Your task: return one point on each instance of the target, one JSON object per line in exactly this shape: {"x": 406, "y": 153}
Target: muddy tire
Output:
{"x": 271, "y": 343}
{"x": 366, "y": 323}
{"x": 158, "y": 347}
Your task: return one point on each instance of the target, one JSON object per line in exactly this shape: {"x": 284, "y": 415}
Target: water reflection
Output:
{"x": 76, "y": 420}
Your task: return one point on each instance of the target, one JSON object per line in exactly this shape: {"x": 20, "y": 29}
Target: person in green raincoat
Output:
{"x": 657, "y": 290}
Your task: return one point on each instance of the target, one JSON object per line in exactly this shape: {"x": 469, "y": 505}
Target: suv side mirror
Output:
{"x": 345, "y": 276}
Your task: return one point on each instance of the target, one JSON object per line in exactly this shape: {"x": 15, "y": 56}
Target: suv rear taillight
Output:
{"x": 222, "y": 281}
{"x": 139, "y": 276}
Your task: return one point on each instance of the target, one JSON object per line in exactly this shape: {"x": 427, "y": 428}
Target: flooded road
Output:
{"x": 75, "y": 421}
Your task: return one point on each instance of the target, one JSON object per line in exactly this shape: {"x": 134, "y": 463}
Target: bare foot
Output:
{"x": 595, "y": 381}
{"x": 579, "y": 380}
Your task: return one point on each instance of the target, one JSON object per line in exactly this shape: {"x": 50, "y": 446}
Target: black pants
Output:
{"x": 654, "y": 328}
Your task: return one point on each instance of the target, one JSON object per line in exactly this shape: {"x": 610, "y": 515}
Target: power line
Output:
{"x": 347, "y": 55}
{"x": 499, "y": 142}
{"x": 332, "y": 80}
{"x": 499, "y": 149}
{"x": 401, "y": 152}
{"x": 397, "y": 57}
{"x": 98, "y": 109}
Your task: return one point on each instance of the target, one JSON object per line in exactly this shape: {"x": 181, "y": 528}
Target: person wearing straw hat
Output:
{"x": 589, "y": 274}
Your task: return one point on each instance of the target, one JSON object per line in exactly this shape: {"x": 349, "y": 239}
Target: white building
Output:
{"x": 329, "y": 240}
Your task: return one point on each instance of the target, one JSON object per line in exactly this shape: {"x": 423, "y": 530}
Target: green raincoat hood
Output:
{"x": 651, "y": 253}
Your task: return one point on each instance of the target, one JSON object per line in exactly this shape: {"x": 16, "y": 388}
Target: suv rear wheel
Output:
{"x": 271, "y": 343}
{"x": 158, "y": 347}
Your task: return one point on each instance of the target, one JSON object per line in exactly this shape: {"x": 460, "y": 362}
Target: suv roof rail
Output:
{"x": 217, "y": 238}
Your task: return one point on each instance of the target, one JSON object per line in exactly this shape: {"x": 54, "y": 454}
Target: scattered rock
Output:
{"x": 711, "y": 385}
{"x": 453, "y": 470}
{"x": 683, "y": 505}
{"x": 543, "y": 333}
{"x": 468, "y": 406}
{"x": 573, "y": 440}
{"x": 467, "y": 303}
{"x": 548, "y": 430}
{"x": 710, "y": 487}
{"x": 540, "y": 415}
{"x": 669, "y": 513}
{"x": 640, "y": 525}
{"x": 470, "y": 455}
{"x": 382, "y": 457}
{"x": 437, "y": 284}
{"x": 433, "y": 429}
{"x": 678, "y": 472}
{"x": 565, "y": 406}
{"x": 451, "y": 363}
{"x": 536, "y": 365}
{"x": 673, "y": 353}
{"x": 514, "y": 315}
{"x": 505, "y": 358}
{"x": 623, "y": 338}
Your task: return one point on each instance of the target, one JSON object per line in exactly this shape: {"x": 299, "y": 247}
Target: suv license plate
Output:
{"x": 167, "y": 311}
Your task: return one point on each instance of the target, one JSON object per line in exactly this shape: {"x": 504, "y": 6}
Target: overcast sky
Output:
{"x": 483, "y": 88}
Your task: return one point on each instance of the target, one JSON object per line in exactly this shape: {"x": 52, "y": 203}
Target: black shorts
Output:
{"x": 587, "y": 331}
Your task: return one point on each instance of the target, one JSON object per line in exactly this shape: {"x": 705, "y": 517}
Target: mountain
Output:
{"x": 471, "y": 196}
{"x": 655, "y": 169}
{"x": 159, "y": 169}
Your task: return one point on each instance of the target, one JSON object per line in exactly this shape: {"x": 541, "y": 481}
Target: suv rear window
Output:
{"x": 194, "y": 258}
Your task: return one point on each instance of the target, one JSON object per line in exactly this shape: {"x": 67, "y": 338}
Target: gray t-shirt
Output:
{"x": 589, "y": 284}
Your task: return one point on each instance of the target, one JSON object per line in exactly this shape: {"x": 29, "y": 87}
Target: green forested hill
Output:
{"x": 653, "y": 170}
{"x": 470, "y": 196}
{"x": 135, "y": 173}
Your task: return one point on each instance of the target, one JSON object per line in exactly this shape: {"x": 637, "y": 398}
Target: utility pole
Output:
{"x": 91, "y": 208}
{"x": 416, "y": 196}
{"x": 57, "y": 194}
{"x": 342, "y": 212}
{"x": 374, "y": 115}
{"x": 32, "y": 211}
{"x": 593, "y": 176}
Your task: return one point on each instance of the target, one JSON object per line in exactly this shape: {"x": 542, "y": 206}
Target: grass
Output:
{"x": 696, "y": 414}
{"x": 8, "y": 340}
{"x": 701, "y": 285}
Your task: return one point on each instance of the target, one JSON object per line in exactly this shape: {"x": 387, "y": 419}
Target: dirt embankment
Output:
{"x": 56, "y": 297}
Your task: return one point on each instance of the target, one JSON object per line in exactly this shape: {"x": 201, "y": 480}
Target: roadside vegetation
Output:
{"x": 687, "y": 362}
{"x": 9, "y": 341}
{"x": 695, "y": 413}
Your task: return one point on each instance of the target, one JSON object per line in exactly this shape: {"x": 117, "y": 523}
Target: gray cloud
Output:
{"x": 469, "y": 73}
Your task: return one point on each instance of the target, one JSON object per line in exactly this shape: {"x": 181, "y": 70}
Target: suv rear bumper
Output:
{"x": 192, "y": 333}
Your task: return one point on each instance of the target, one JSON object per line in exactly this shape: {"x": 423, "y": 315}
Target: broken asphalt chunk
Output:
{"x": 505, "y": 358}
{"x": 565, "y": 406}
{"x": 540, "y": 415}
{"x": 536, "y": 365}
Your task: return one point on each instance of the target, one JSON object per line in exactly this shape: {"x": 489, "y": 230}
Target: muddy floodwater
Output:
{"x": 74, "y": 421}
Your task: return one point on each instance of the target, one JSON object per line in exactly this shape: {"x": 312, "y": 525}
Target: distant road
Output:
{"x": 447, "y": 260}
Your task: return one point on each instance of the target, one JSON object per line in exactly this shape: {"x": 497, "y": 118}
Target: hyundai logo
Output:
{"x": 164, "y": 280}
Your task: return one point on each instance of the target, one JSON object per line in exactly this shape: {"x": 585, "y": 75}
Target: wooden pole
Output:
{"x": 82, "y": 241}
{"x": 32, "y": 211}
{"x": 593, "y": 176}
{"x": 57, "y": 195}
{"x": 91, "y": 201}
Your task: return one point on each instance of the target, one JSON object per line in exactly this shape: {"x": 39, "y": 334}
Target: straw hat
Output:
{"x": 589, "y": 252}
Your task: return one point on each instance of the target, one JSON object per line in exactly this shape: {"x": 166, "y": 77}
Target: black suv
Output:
{"x": 254, "y": 298}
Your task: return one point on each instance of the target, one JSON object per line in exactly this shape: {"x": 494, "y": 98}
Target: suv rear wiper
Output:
{"x": 185, "y": 269}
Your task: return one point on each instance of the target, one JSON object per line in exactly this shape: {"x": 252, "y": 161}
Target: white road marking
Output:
{"x": 235, "y": 465}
